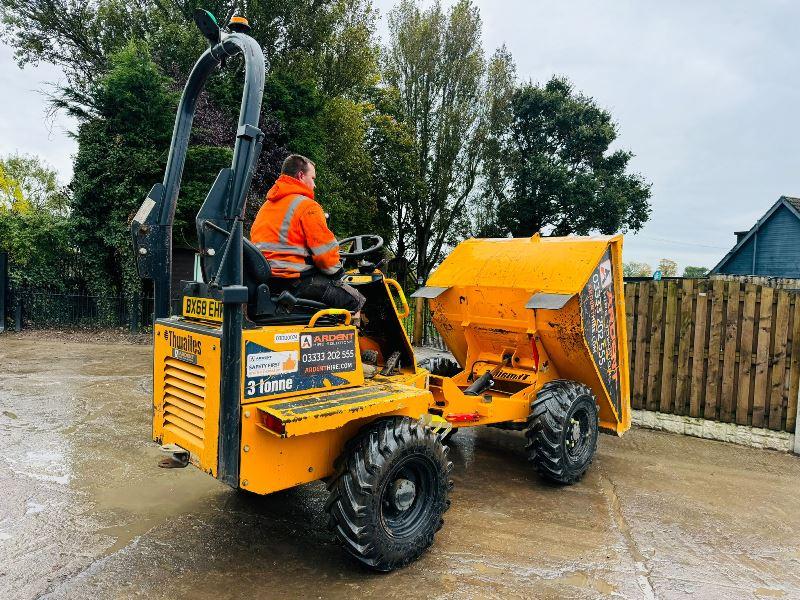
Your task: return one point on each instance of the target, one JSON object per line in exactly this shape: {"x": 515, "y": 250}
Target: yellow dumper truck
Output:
{"x": 268, "y": 391}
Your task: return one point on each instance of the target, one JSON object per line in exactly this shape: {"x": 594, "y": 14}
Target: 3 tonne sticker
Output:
{"x": 327, "y": 352}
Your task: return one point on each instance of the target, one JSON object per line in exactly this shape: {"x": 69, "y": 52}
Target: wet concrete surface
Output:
{"x": 85, "y": 512}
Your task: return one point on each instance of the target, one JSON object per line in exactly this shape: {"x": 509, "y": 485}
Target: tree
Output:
{"x": 33, "y": 226}
{"x": 564, "y": 177}
{"x": 435, "y": 62}
{"x": 668, "y": 267}
{"x": 495, "y": 184}
{"x": 636, "y": 269}
{"x": 695, "y": 272}
{"x": 35, "y": 181}
{"x": 77, "y": 36}
{"x": 122, "y": 148}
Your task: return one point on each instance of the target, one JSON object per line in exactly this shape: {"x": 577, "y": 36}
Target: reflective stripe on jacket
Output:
{"x": 290, "y": 229}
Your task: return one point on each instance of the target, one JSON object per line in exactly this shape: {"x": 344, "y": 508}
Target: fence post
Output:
{"x": 797, "y": 427}
{"x": 18, "y": 312}
{"x": 3, "y": 289}
{"x": 134, "y": 314}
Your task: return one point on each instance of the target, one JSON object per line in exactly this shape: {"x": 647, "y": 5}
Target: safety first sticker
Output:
{"x": 262, "y": 364}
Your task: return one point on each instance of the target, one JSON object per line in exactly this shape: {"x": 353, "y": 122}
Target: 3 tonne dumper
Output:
{"x": 267, "y": 391}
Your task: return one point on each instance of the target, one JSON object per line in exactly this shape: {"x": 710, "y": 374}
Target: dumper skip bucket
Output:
{"x": 555, "y": 304}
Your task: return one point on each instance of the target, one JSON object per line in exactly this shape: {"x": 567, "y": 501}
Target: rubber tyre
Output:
{"x": 449, "y": 435}
{"x": 550, "y": 431}
{"x": 361, "y": 513}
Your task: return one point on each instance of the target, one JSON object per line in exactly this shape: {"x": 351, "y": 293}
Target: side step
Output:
{"x": 301, "y": 415}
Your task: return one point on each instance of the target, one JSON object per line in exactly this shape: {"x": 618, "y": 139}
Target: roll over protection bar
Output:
{"x": 152, "y": 226}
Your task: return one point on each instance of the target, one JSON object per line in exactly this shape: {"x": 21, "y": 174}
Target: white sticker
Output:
{"x": 285, "y": 338}
{"x": 263, "y": 364}
{"x": 605, "y": 273}
{"x": 144, "y": 210}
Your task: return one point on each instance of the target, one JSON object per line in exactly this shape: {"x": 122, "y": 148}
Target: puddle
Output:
{"x": 769, "y": 593}
{"x": 583, "y": 580}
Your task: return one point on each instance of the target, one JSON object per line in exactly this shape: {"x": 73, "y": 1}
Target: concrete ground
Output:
{"x": 85, "y": 512}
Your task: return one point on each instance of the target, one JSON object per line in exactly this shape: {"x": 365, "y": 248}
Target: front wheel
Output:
{"x": 389, "y": 494}
{"x": 562, "y": 431}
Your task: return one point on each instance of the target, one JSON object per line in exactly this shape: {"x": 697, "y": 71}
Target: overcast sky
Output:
{"x": 706, "y": 94}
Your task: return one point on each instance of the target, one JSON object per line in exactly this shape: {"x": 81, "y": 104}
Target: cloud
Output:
{"x": 24, "y": 125}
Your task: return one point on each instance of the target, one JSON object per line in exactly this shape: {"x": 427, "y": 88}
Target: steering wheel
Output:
{"x": 361, "y": 245}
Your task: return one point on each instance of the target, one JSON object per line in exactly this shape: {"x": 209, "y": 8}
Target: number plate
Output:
{"x": 205, "y": 309}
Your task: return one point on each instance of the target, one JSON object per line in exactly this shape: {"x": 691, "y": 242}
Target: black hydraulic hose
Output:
{"x": 215, "y": 280}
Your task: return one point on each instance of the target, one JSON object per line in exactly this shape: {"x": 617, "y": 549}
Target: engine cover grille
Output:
{"x": 184, "y": 412}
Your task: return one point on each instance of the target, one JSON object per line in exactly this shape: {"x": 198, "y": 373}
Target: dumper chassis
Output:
{"x": 266, "y": 392}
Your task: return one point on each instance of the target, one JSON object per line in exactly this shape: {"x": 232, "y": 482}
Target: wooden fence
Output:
{"x": 773, "y": 282}
{"x": 722, "y": 350}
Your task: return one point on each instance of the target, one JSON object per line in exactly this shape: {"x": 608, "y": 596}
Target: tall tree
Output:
{"x": 122, "y": 148}
{"x": 495, "y": 185}
{"x": 564, "y": 178}
{"x": 435, "y": 62}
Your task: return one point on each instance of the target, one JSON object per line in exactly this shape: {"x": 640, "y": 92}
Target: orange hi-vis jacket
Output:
{"x": 291, "y": 231}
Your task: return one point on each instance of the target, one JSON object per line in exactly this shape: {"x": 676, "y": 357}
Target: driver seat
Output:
{"x": 262, "y": 306}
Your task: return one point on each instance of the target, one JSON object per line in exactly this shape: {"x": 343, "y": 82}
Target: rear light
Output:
{"x": 535, "y": 351}
{"x": 273, "y": 423}
{"x": 462, "y": 417}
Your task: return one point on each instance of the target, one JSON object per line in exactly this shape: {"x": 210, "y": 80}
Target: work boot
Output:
{"x": 369, "y": 363}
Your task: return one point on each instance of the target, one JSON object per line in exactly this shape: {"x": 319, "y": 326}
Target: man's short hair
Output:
{"x": 294, "y": 164}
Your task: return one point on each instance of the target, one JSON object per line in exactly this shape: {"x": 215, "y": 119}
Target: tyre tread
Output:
{"x": 357, "y": 474}
{"x": 545, "y": 430}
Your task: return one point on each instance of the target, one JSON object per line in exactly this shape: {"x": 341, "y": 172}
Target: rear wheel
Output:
{"x": 562, "y": 431}
{"x": 389, "y": 494}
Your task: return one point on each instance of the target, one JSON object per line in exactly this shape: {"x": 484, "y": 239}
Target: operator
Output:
{"x": 291, "y": 231}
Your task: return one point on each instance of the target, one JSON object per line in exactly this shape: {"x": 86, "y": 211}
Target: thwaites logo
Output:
{"x": 309, "y": 340}
{"x": 187, "y": 343}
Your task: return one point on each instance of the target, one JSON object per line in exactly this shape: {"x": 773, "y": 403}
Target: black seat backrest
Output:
{"x": 255, "y": 268}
